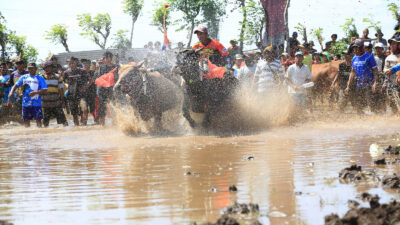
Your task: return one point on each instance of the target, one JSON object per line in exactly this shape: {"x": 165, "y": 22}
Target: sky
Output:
{"x": 32, "y": 18}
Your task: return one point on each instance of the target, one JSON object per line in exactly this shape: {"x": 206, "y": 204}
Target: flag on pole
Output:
{"x": 166, "y": 41}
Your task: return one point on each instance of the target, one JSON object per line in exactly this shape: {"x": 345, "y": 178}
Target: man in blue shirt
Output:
{"x": 365, "y": 71}
{"x": 34, "y": 85}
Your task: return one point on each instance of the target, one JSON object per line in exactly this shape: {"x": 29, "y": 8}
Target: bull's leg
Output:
{"x": 186, "y": 112}
{"x": 157, "y": 122}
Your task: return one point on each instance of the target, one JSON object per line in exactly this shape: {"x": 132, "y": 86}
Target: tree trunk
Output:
{"x": 190, "y": 35}
{"x": 287, "y": 26}
{"x": 134, "y": 18}
{"x": 242, "y": 29}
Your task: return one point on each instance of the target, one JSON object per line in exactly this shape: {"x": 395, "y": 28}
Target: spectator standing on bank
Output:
{"x": 105, "y": 94}
{"x": 293, "y": 43}
{"x": 246, "y": 73}
{"x": 53, "y": 101}
{"x": 33, "y": 87}
{"x": 5, "y": 82}
{"x": 76, "y": 79}
{"x": 89, "y": 91}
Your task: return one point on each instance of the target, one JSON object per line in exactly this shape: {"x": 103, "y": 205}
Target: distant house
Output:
{"x": 125, "y": 56}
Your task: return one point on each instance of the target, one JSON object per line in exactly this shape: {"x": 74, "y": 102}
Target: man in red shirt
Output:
{"x": 214, "y": 50}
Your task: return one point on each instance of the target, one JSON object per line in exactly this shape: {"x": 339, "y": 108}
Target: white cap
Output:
{"x": 379, "y": 45}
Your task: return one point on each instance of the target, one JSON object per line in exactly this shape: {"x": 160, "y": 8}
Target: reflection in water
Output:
{"x": 99, "y": 176}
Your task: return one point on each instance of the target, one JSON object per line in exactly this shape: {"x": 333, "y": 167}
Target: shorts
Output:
{"x": 105, "y": 95}
{"x": 76, "y": 105}
{"x": 298, "y": 99}
{"x": 32, "y": 113}
{"x": 53, "y": 112}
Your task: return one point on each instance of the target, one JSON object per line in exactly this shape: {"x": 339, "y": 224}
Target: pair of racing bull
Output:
{"x": 151, "y": 93}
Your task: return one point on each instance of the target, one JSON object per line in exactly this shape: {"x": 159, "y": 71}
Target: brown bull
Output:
{"x": 323, "y": 76}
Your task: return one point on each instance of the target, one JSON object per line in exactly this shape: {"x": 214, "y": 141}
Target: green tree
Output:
{"x": 121, "y": 40}
{"x": 58, "y": 34}
{"x": 158, "y": 16}
{"x": 133, "y": 8}
{"x": 4, "y": 37}
{"x": 394, "y": 9}
{"x": 191, "y": 10}
{"x": 318, "y": 36}
{"x": 242, "y": 7}
{"x": 301, "y": 29}
{"x": 373, "y": 24}
{"x": 97, "y": 28}
{"x": 212, "y": 12}
{"x": 20, "y": 47}
{"x": 349, "y": 29}
{"x": 256, "y": 20}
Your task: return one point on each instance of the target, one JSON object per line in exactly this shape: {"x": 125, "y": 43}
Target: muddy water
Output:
{"x": 99, "y": 176}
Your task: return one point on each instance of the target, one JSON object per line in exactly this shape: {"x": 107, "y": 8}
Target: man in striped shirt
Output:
{"x": 269, "y": 72}
{"x": 53, "y": 100}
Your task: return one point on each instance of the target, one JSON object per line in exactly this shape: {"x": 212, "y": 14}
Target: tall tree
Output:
{"x": 254, "y": 28}
{"x": 121, "y": 40}
{"x": 97, "y": 28}
{"x": 212, "y": 12}
{"x": 19, "y": 46}
{"x": 349, "y": 29}
{"x": 394, "y": 9}
{"x": 58, "y": 34}
{"x": 133, "y": 8}
{"x": 191, "y": 10}
{"x": 243, "y": 23}
{"x": 4, "y": 37}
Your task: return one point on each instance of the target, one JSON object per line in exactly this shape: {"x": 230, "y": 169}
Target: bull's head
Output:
{"x": 188, "y": 63}
{"x": 131, "y": 79}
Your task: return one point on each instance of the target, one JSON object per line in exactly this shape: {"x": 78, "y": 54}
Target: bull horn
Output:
{"x": 198, "y": 50}
{"x": 140, "y": 64}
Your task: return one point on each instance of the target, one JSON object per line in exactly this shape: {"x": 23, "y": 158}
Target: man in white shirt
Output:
{"x": 297, "y": 75}
{"x": 246, "y": 73}
{"x": 269, "y": 72}
{"x": 390, "y": 83}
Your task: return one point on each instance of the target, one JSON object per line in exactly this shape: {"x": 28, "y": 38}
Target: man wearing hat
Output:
{"x": 33, "y": 87}
{"x": 269, "y": 72}
{"x": 53, "y": 101}
{"x": 390, "y": 61}
{"x": 246, "y": 73}
{"x": 238, "y": 61}
{"x": 76, "y": 79}
{"x": 19, "y": 72}
{"x": 212, "y": 48}
{"x": 365, "y": 71}
{"x": 297, "y": 75}
{"x": 234, "y": 49}
{"x": 380, "y": 39}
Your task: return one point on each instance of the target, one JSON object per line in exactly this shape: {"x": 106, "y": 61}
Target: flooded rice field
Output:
{"x": 95, "y": 175}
